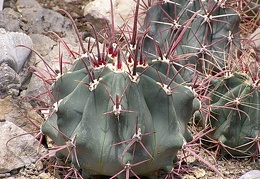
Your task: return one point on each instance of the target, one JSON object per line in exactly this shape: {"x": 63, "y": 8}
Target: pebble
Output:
{"x": 44, "y": 175}
{"x": 4, "y": 175}
{"x": 39, "y": 166}
{"x": 199, "y": 172}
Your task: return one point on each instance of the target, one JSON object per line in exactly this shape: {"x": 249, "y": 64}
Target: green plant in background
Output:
{"x": 209, "y": 42}
{"x": 126, "y": 109}
{"x": 207, "y": 51}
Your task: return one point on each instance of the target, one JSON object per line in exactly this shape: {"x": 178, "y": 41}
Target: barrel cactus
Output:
{"x": 126, "y": 108}
{"x": 138, "y": 109}
{"x": 118, "y": 110}
{"x": 207, "y": 54}
{"x": 208, "y": 43}
{"x": 235, "y": 113}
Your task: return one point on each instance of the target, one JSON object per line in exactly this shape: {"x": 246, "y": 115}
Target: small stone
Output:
{"x": 199, "y": 172}
{"x": 11, "y": 178}
{"x": 14, "y": 172}
{"x": 188, "y": 177}
{"x": 253, "y": 174}
{"x": 39, "y": 166}
{"x": 191, "y": 159}
{"x": 4, "y": 175}
{"x": 214, "y": 177}
{"x": 44, "y": 175}
{"x": 20, "y": 177}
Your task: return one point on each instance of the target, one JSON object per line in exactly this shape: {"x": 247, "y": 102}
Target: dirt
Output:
{"x": 230, "y": 168}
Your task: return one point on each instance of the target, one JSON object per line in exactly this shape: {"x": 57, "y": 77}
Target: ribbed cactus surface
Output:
{"x": 208, "y": 43}
{"x": 236, "y": 113}
{"x": 129, "y": 106}
{"x": 115, "y": 107}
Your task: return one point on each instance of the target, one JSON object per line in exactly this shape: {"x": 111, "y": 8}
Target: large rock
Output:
{"x": 37, "y": 19}
{"x": 31, "y": 17}
{"x": 98, "y": 11}
{"x": 255, "y": 39}
{"x": 48, "y": 55}
{"x": 14, "y": 56}
{"x": 20, "y": 113}
{"x": 10, "y": 20}
{"x": 16, "y": 149}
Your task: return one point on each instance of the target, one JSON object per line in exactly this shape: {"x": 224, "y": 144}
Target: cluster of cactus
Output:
{"x": 126, "y": 109}
{"x": 207, "y": 50}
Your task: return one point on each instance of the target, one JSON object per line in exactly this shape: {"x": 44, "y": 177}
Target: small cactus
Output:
{"x": 235, "y": 113}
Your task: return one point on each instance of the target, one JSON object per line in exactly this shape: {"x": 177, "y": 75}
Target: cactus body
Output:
{"x": 209, "y": 41}
{"x": 147, "y": 106}
{"x": 236, "y": 113}
{"x": 131, "y": 107}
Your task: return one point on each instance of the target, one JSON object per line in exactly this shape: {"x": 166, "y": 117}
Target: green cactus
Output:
{"x": 208, "y": 43}
{"x": 235, "y": 113}
{"x": 114, "y": 108}
{"x": 127, "y": 108}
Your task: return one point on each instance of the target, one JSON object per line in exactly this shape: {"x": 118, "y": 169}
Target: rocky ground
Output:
{"x": 19, "y": 152}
